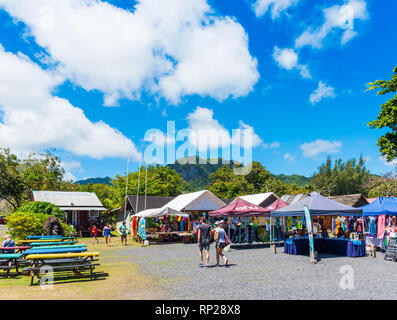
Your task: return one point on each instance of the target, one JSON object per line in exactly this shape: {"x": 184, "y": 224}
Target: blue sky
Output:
{"x": 89, "y": 78}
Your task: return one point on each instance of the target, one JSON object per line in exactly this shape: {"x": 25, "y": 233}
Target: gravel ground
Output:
{"x": 255, "y": 273}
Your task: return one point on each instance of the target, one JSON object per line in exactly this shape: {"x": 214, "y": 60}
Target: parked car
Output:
{"x": 3, "y": 220}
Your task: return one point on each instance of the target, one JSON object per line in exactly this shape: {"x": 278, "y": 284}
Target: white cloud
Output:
{"x": 312, "y": 149}
{"x": 347, "y": 36}
{"x": 272, "y": 145}
{"x": 290, "y": 158}
{"x": 288, "y": 59}
{"x": 70, "y": 166}
{"x": 206, "y": 133}
{"x": 159, "y": 138}
{"x": 323, "y": 91}
{"x": 386, "y": 163}
{"x": 32, "y": 119}
{"x": 240, "y": 135}
{"x": 260, "y": 7}
{"x": 169, "y": 48}
{"x": 336, "y": 18}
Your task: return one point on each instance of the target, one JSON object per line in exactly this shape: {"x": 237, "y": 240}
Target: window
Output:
{"x": 94, "y": 214}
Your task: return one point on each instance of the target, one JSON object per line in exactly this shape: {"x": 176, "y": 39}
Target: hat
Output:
{"x": 7, "y": 236}
{"x": 217, "y": 222}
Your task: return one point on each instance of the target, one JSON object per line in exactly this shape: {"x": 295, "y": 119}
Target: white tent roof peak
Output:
{"x": 201, "y": 200}
{"x": 159, "y": 212}
{"x": 258, "y": 198}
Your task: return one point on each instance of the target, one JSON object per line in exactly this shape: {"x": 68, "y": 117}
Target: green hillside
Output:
{"x": 196, "y": 173}
{"x": 300, "y": 181}
{"x": 106, "y": 180}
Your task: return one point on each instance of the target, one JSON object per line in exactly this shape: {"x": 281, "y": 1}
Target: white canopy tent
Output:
{"x": 160, "y": 212}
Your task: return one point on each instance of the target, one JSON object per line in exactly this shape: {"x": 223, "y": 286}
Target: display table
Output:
{"x": 340, "y": 247}
{"x": 371, "y": 241}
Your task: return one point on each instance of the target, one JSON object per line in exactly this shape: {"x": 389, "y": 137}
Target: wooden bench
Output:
{"x": 61, "y": 262}
{"x": 38, "y": 244}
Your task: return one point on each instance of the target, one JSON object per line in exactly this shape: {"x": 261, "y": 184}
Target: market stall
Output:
{"x": 163, "y": 224}
{"x": 317, "y": 205}
{"x": 247, "y": 222}
{"x": 380, "y": 221}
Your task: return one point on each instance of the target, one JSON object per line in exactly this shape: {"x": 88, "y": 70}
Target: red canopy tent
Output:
{"x": 240, "y": 208}
{"x": 278, "y": 204}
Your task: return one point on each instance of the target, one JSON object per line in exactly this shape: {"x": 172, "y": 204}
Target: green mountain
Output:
{"x": 197, "y": 171}
{"x": 106, "y": 180}
{"x": 300, "y": 181}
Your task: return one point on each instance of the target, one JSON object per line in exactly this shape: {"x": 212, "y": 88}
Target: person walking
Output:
{"x": 123, "y": 233}
{"x": 106, "y": 234}
{"x": 221, "y": 242}
{"x": 203, "y": 240}
{"x": 94, "y": 232}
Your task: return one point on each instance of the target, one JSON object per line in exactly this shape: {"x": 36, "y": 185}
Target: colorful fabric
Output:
{"x": 142, "y": 228}
{"x": 381, "y": 226}
{"x": 134, "y": 226}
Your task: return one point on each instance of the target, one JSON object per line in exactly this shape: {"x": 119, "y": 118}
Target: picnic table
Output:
{"x": 9, "y": 261}
{"x": 39, "y": 240}
{"x": 38, "y": 244}
{"x": 51, "y": 237}
{"x": 17, "y": 249}
{"x": 75, "y": 262}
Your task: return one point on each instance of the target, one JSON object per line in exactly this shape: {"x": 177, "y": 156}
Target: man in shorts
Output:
{"x": 203, "y": 239}
{"x": 123, "y": 233}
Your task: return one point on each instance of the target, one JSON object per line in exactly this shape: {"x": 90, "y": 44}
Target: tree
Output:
{"x": 161, "y": 181}
{"x": 385, "y": 186}
{"x": 225, "y": 184}
{"x": 12, "y": 186}
{"x": 19, "y": 177}
{"x": 42, "y": 209}
{"x": 341, "y": 178}
{"x": 387, "y": 118}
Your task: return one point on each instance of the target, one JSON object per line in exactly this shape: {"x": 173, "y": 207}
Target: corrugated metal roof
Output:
{"x": 200, "y": 200}
{"x": 258, "y": 199}
{"x": 68, "y": 199}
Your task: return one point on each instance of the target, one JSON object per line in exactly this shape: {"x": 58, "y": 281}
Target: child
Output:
{"x": 94, "y": 232}
{"x": 123, "y": 233}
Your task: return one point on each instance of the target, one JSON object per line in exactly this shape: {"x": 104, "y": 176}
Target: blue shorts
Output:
{"x": 204, "y": 244}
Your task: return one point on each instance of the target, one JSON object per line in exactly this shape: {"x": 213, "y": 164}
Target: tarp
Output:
{"x": 239, "y": 208}
{"x": 160, "y": 212}
{"x": 381, "y": 206}
{"x": 278, "y": 204}
{"x": 318, "y": 206}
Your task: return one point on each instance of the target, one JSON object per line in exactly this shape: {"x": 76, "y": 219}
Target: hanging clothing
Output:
{"x": 333, "y": 227}
{"x": 372, "y": 226}
{"x": 381, "y": 226}
{"x": 142, "y": 228}
{"x": 134, "y": 226}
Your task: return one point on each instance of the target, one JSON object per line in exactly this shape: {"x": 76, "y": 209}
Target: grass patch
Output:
{"x": 119, "y": 279}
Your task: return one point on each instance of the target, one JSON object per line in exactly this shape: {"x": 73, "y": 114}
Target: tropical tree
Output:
{"x": 387, "y": 118}
{"x": 385, "y": 186}
{"x": 161, "y": 181}
{"x": 19, "y": 177}
{"x": 226, "y": 184}
{"x": 341, "y": 177}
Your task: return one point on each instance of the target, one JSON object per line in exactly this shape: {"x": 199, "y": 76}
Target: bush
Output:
{"x": 23, "y": 224}
{"x": 68, "y": 229}
{"x": 43, "y": 208}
